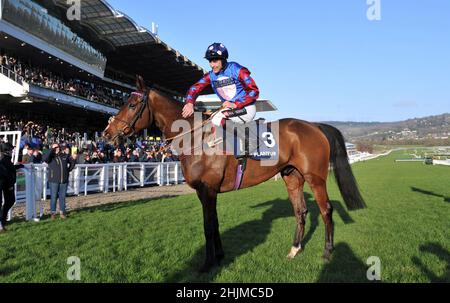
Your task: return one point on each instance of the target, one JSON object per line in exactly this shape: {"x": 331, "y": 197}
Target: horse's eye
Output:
{"x": 131, "y": 106}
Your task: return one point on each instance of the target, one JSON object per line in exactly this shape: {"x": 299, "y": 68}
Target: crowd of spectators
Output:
{"x": 85, "y": 148}
{"x": 76, "y": 87}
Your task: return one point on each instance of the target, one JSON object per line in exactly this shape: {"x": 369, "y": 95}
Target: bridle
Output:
{"x": 131, "y": 125}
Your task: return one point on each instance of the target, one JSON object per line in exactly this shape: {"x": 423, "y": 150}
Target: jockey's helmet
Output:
{"x": 216, "y": 51}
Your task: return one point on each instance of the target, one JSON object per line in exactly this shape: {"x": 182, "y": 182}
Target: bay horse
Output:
{"x": 305, "y": 153}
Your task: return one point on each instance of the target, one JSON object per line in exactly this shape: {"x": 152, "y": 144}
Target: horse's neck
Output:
{"x": 165, "y": 112}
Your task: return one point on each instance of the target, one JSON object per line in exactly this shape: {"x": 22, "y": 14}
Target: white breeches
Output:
{"x": 251, "y": 113}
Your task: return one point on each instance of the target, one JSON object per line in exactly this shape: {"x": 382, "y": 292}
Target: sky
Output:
{"x": 320, "y": 60}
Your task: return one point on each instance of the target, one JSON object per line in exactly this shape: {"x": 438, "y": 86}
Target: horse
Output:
{"x": 306, "y": 151}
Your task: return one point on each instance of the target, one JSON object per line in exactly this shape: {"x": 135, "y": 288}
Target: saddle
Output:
{"x": 246, "y": 140}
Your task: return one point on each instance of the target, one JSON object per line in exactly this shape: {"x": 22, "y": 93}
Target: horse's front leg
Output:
{"x": 214, "y": 250}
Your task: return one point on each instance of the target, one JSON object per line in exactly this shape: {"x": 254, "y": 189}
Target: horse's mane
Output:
{"x": 177, "y": 103}
{"x": 168, "y": 97}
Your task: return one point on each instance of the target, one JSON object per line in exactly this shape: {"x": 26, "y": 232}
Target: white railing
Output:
{"x": 14, "y": 138}
{"x": 93, "y": 178}
{"x": 366, "y": 156}
{"x": 441, "y": 162}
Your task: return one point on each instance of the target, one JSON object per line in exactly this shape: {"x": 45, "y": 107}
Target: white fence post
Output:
{"x": 101, "y": 180}
{"x": 158, "y": 175}
{"x": 176, "y": 173}
{"x": 114, "y": 178}
{"x": 44, "y": 182}
{"x": 85, "y": 180}
{"x": 105, "y": 177}
{"x": 168, "y": 174}
{"x": 30, "y": 206}
{"x": 39, "y": 187}
{"x": 125, "y": 177}
{"x": 120, "y": 178}
{"x": 142, "y": 175}
{"x": 77, "y": 180}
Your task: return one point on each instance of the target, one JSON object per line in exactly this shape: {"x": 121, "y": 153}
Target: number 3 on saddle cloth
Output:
{"x": 254, "y": 139}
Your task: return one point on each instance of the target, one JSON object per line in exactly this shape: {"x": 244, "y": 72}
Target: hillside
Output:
{"x": 417, "y": 129}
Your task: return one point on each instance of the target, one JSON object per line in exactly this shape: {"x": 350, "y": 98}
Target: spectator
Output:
{"x": 25, "y": 149}
{"x": 134, "y": 157}
{"x": 40, "y": 76}
{"x": 59, "y": 164}
{"x": 102, "y": 158}
{"x": 28, "y": 157}
{"x": 79, "y": 159}
{"x": 67, "y": 150}
{"x": 149, "y": 156}
{"x": 73, "y": 141}
{"x": 7, "y": 181}
{"x": 95, "y": 159}
{"x": 87, "y": 158}
{"x": 37, "y": 156}
{"x": 74, "y": 150}
{"x": 119, "y": 157}
{"x": 168, "y": 157}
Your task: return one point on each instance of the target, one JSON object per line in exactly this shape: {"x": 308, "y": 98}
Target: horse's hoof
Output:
{"x": 206, "y": 268}
{"x": 326, "y": 256}
{"x": 294, "y": 251}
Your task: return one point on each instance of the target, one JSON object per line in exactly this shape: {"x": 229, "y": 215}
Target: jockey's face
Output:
{"x": 216, "y": 65}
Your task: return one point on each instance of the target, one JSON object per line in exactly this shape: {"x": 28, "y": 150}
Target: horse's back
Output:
{"x": 301, "y": 128}
{"x": 304, "y": 146}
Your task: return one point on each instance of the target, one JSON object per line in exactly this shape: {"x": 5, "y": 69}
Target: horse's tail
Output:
{"x": 342, "y": 170}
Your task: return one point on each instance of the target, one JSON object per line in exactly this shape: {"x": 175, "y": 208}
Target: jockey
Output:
{"x": 232, "y": 84}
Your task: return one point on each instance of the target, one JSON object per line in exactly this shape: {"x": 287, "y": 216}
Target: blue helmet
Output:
{"x": 216, "y": 51}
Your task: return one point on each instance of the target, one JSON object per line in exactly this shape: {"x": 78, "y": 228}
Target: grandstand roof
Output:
{"x": 129, "y": 48}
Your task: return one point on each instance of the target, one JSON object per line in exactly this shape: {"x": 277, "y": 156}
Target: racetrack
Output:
{"x": 406, "y": 225}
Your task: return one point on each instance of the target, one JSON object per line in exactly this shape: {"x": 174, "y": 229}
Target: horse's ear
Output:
{"x": 140, "y": 83}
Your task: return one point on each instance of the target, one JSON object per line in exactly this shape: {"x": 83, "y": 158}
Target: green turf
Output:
{"x": 406, "y": 225}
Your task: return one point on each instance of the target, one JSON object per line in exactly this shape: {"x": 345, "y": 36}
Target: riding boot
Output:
{"x": 248, "y": 141}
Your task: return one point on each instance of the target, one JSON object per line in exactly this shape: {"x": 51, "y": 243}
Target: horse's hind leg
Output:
{"x": 318, "y": 186}
{"x": 294, "y": 183}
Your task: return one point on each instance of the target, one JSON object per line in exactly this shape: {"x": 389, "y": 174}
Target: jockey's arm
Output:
{"x": 193, "y": 93}
{"x": 250, "y": 87}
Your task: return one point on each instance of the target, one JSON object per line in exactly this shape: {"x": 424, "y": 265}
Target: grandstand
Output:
{"x": 78, "y": 73}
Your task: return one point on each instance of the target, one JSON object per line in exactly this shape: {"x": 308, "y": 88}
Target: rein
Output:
{"x": 168, "y": 141}
{"x": 195, "y": 128}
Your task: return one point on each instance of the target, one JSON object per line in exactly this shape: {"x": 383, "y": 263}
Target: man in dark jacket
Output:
{"x": 7, "y": 181}
{"x": 59, "y": 165}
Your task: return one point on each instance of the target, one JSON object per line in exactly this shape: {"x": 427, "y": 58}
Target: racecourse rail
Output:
{"x": 93, "y": 178}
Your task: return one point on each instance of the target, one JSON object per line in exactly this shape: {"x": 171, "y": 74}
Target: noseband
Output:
{"x": 143, "y": 104}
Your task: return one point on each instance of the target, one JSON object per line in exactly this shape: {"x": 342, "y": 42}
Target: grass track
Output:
{"x": 406, "y": 224}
